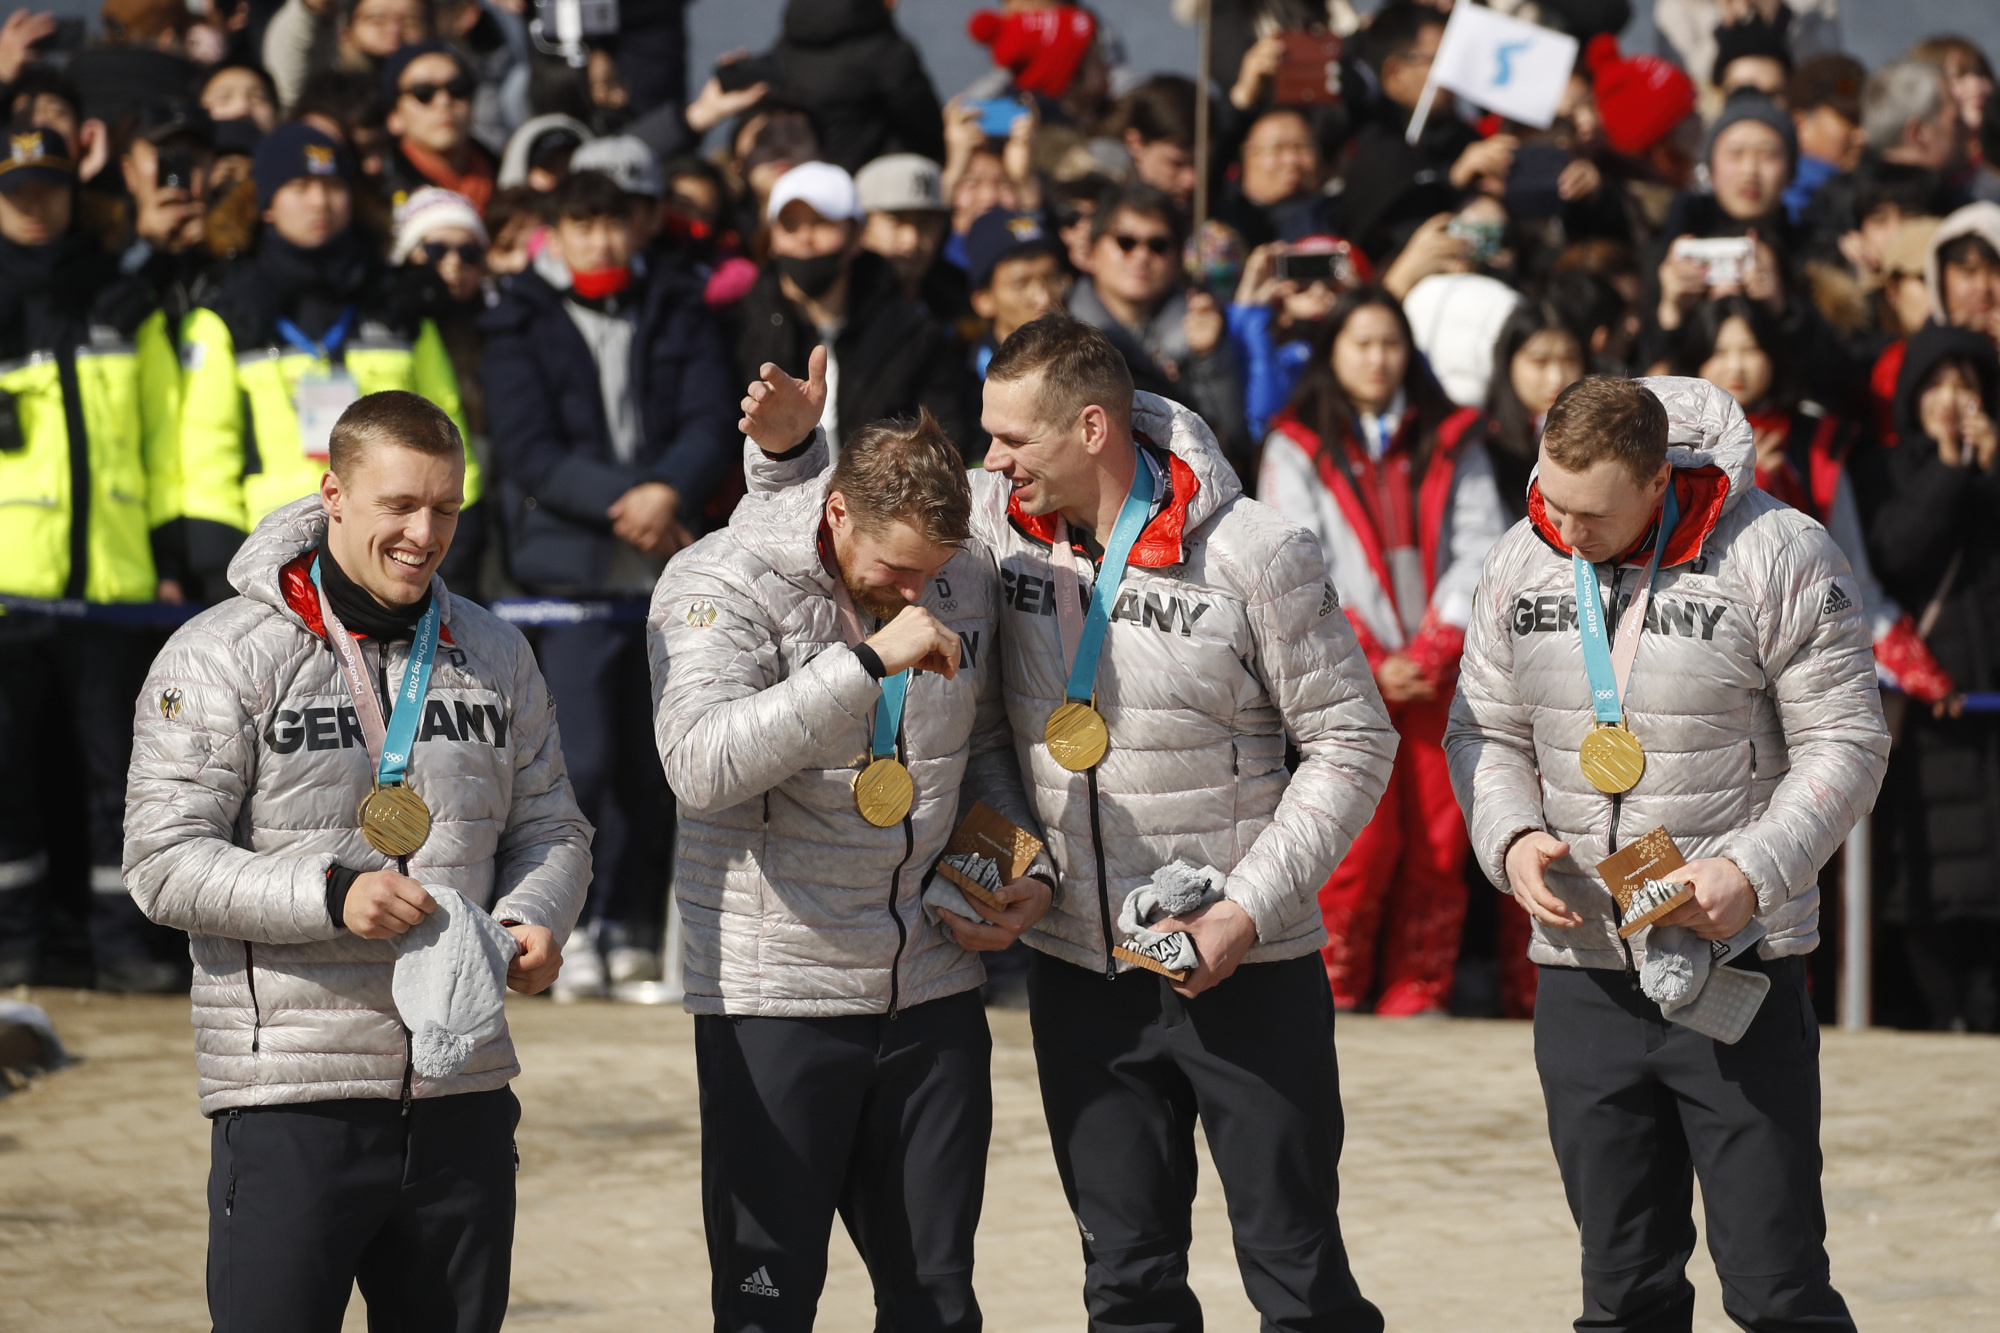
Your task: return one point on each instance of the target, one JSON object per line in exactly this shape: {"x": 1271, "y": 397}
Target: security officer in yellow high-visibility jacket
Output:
{"x": 310, "y": 322}
{"x": 87, "y": 404}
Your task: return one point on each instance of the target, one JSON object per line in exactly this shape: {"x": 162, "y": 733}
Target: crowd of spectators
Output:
{"x": 584, "y": 263}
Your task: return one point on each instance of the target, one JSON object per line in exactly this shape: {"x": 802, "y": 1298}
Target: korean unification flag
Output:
{"x": 1504, "y": 65}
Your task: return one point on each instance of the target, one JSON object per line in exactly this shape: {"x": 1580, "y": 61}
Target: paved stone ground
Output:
{"x": 1455, "y": 1216}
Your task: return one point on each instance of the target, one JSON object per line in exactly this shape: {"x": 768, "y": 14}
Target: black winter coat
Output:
{"x": 1938, "y": 821}
{"x": 894, "y": 356}
{"x": 552, "y": 442}
{"x": 863, "y": 82}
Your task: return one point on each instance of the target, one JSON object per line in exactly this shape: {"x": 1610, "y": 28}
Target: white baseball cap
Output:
{"x": 900, "y": 182}
{"x": 822, "y": 186}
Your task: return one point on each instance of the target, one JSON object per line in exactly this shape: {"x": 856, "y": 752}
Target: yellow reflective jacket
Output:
{"x": 118, "y": 481}
{"x": 240, "y": 455}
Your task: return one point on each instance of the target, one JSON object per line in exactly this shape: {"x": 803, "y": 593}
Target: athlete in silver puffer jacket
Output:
{"x": 247, "y": 766}
{"x": 1753, "y": 690}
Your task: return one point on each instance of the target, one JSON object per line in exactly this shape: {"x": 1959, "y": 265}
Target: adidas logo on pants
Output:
{"x": 758, "y": 1283}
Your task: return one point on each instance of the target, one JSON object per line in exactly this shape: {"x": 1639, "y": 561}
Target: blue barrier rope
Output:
{"x": 532, "y": 611}
{"x": 136, "y": 614}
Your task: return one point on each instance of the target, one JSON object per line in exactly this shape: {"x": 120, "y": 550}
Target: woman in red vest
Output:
{"x": 1371, "y": 456}
{"x": 1802, "y": 455}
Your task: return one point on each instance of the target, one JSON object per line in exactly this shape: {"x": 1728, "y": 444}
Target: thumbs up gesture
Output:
{"x": 780, "y": 412}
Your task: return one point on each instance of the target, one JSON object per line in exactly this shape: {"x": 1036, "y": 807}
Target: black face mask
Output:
{"x": 812, "y": 276}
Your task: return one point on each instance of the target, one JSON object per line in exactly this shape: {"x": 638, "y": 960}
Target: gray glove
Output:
{"x": 450, "y": 983}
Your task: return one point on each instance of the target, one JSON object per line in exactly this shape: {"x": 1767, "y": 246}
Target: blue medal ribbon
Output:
{"x": 1110, "y": 573}
{"x": 1590, "y": 614}
{"x": 889, "y": 715}
{"x": 322, "y": 348}
{"x": 400, "y": 735}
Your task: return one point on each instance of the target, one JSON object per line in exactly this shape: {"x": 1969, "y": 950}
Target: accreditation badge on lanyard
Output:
{"x": 1076, "y": 733}
{"x": 393, "y": 818}
{"x": 1611, "y": 756}
{"x": 322, "y": 393}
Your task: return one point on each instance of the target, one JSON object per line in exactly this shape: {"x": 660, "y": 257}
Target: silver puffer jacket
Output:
{"x": 247, "y": 768}
{"x": 792, "y": 904}
{"x": 1225, "y": 639}
{"x": 1753, "y": 692}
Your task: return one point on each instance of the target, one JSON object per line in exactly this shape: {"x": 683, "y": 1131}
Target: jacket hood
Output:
{"x": 782, "y": 531}
{"x": 1201, "y": 478}
{"x": 1982, "y": 220}
{"x": 1714, "y": 456}
{"x": 258, "y": 569}
{"x": 1706, "y": 428}
{"x": 824, "y": 22}
{"x": 1921, "y": 355}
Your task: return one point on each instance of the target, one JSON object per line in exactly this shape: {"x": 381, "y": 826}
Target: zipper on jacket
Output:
{"x": 896, "y": 887}
{"x": 1611, "y": 849}
{"x": 256, "y": 1013}
{"x": 78, "y": 583}
{"x": 409, "y": 1064}
{"x": 228, "y": 1136}
{"x": 1103, "y": 886}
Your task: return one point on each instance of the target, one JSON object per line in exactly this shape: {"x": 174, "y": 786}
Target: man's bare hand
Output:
{"x": 383, "y": 904}
{"x": 1027, "y": 902}
{"x": 1723, "y": 902}
{"x": 712, "y": 105}
{"x": 18, "y": 36}
{"x": 534, "y": 969}
{"x": 1527, "y": 865}
{"x": 780, "y": 412}
{"x": 1492, "y": 158}
{"x": 916, "y": 638}
{"x": 1223, "y": 932}
{"x": 648, "y": 516}
{"x": 1401, "y": 680}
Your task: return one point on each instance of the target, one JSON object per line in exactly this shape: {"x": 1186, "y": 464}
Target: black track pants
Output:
{"x": 884, "y": 1120}
{"x": 1127, "y": 1067}
{"x": 304, "y": 1201}
{"x": 1639, "y": 1106}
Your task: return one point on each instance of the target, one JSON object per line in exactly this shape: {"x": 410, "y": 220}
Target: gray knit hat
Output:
{"x": 450, "y": 982}
{"x": 1751, "y": 104}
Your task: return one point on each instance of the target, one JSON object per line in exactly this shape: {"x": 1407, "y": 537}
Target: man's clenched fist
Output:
{"x": 916, "y": 638}
{"x": 383, "y": 904}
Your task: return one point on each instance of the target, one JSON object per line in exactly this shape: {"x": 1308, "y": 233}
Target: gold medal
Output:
{"x": 883, "y": 792}
{"x": 395, "y": 820}
{"x": 1612, "y": 759}
{"x": 1076, "y": 736}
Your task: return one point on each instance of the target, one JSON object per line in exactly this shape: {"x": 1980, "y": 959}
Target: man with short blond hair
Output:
{"x": 1721, "y": 689}
{"x": 317, "y": 765}
{"x": 827, "y": 703}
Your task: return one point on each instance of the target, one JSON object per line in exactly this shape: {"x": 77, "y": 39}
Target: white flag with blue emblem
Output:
{"x": 1505, "y": 65}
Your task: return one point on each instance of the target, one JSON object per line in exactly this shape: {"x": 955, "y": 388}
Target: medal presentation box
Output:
{"x": 987, "y": 851}
{"x": 1625, "y": 873}
{"x": 1150, "y": 963}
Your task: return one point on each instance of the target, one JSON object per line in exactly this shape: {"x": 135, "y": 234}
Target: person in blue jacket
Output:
{"x": 613, "y": 403}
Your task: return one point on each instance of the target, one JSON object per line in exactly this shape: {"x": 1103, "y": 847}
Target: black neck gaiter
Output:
{"x": 358, "y": 609}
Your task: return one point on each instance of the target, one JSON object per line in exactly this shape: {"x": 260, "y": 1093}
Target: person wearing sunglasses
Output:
{"x": 428, "y": 89}
{"x": 1171, "y": 338}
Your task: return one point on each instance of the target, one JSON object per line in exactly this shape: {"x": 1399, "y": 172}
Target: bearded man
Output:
{"x": 826, "y": 693}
